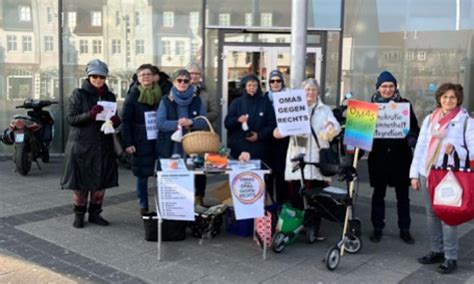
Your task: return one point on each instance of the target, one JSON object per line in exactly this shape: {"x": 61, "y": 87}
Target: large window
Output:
{"x": 11, "y": 43}
{"x": 24, "y": 13}
{"x": 48, "y": 43}
{"x": 180, "y": 47}
{"x": 27, "y": 43}
{"x": 71, "y": 19}
{"x": 168, "y": 19}
{"x": 116, "y": 46}
{"x": 97, "y": 46}
{"x": 96, "y": 18}
{"x": 139, "y": 47}
{"x": 83, "y": 46}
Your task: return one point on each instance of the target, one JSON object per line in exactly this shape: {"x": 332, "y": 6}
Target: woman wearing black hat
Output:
{"x": 250, "y": 121}
{"x": 90, "y": 162}
{"x": 278, "y": 147}
{"x": 389, "y": 164}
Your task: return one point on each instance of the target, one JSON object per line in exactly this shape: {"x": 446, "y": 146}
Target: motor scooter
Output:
{"x": 31, "y": 134}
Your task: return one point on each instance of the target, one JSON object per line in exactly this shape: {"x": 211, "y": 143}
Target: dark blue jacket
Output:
{"x": 134, "y": 134}
{"x": 261, "y": 120}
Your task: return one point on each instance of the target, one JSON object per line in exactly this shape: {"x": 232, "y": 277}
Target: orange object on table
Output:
{"x": 216, "y": 160}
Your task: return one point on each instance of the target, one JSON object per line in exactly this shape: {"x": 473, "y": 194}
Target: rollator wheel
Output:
{"x": 353, "y": 244}
{"x": 333, "y": 257}
{"x": 278, "y": 243}
{"x": 310, "y": 234}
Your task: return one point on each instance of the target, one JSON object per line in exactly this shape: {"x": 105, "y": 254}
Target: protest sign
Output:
{"x": 176, "y": 195}
{"x": 361, "y": 118}
{"x": 248, "y": 192}
{"x": 151, "y": 125}
{"x": 110, "y": 108}
{"x": 393, "y": 120}
{"x": 291, "y": 111}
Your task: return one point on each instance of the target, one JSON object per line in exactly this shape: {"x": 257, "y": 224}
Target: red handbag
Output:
{"x": 452, "y": 214}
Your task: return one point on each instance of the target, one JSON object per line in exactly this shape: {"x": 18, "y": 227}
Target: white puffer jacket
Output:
{"x": 322, "y": 115}
{"x": 454, "y": 136}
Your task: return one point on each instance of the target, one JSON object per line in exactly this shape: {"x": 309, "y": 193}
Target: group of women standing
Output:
{"x": 90, "y": 164}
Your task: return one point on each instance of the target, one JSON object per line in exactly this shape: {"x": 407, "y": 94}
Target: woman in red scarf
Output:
{"x": 442, "y": 132}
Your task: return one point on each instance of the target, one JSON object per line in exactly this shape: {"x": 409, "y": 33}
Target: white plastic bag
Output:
{"x": 177, "y": 136}
{"x": 448, "y": 192}
{"x": 107, "y": 127}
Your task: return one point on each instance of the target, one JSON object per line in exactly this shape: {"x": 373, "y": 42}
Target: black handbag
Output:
{"x": 328, "y": 158}
{"x": 171, "y": 230}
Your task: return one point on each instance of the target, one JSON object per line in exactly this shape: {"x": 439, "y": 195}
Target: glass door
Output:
{"x": 239, "y": 61}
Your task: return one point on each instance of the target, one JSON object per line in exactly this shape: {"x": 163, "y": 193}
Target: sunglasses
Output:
{"x": 275, "y": 81}
{"x": 185, "y": 81}
{"x": 98, "y": 77}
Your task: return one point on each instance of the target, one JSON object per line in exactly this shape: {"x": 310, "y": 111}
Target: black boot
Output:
{"x": 406, "y": 236}
{"x": 448, "y": 266}
{"x": 94, "y": 215}
{"x": 79, "y": 212}
{"x": 376, "y": 236}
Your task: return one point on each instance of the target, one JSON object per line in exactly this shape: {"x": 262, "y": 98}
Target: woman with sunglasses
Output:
{"x": 142, "y": 99}
{"x": 90, "y": 161}
{"x": 278, "y": 147}
{"x": 250, "y": 121}
{"x": 178, "y": 110}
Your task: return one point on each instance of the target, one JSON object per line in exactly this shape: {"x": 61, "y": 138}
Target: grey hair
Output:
{"x": 181, "y": 73}
{"x": 194, "y": 66}
{"x": 312, "y": 83}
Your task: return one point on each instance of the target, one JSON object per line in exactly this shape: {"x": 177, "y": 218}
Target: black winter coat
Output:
{"x": 278, "y": 149}
{"x": 90, "y": 160}
{"x": 261, "y": 120}
{"x": 390, "y": 159}
{"x": 134, "y": 134}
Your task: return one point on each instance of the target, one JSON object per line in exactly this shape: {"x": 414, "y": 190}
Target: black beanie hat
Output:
{"x": 385, "y": 76}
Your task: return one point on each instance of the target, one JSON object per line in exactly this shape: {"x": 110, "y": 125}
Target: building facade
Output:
{"x": 45, "y": 45}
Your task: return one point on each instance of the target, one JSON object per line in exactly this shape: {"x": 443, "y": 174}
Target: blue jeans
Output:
{"x": 142, "y": 191}
{"x": 443, "y": 238}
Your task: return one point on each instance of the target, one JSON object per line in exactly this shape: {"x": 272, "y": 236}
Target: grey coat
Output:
{"x": 90, "y": 161}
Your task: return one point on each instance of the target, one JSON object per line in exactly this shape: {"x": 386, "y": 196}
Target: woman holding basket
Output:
{"x": 447, "y": 130}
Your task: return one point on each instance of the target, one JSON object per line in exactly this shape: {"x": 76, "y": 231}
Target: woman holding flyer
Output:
{"x": 278, "y": 147}
{"x": 90, "y": 161}
{"x": 389, "y": 164}
{"x": 141, "y": 103}
{"x": 250, "y": 121}
{"x": 324, "y": 127}
{"x": 449, "y": 128}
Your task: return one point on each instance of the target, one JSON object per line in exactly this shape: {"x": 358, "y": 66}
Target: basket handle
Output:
{"x": 208, "y": 122}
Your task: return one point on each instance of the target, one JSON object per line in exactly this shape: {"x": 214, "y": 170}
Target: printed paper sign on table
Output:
{"x": 393, "y": 120}
{"x": 151, "y": 125}
{"x": 291, "y": 112}
{"x": 110, "y": 108}
{"x": 361, "y": 119}
{"x": 175, "y": 194}
{"x": 248, "y": 192}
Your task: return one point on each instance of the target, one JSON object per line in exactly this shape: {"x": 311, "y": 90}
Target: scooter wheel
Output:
{"x": 278, "y": 243}
{"x": 353, "y": 244}
{"x": 333, "y": 257}
{"x": 310, "y": 234}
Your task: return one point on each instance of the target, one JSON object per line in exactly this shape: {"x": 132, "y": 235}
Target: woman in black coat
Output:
{"x": 143, "y": 99}
{"x": 250, "y": 121}
{"x": 90, "y": 161}
{"x": 389, "y": 164}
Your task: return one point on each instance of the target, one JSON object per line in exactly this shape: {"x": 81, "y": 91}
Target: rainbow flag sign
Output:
{"x": 361, "y": 119}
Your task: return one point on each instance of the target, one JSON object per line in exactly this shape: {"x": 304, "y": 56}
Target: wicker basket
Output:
{"x": 201, "y": 142}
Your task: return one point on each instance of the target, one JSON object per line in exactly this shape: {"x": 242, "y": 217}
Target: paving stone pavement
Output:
{"x": 39, "y": 245}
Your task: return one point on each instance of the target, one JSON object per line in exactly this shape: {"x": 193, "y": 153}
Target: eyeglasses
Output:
{"x": 98, "y": 77}
{"x": 185, "y": 81}
{"x": 275, "y": 81}
{"x": 146, "y": 75}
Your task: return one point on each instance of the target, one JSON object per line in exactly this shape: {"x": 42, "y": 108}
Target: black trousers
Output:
{"x": 278, "y": 186}
{"x": 378, "y": 207}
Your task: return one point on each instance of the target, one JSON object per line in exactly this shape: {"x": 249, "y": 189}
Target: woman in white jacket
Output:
{"x": 325, "y": 126}
{"x": 442, "y": 132}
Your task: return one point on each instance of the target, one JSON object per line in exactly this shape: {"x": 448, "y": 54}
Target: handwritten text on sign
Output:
{"x": 360, "y": 124}
{"x": 393, "y": 120}
{"x": 291, "y": 112}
